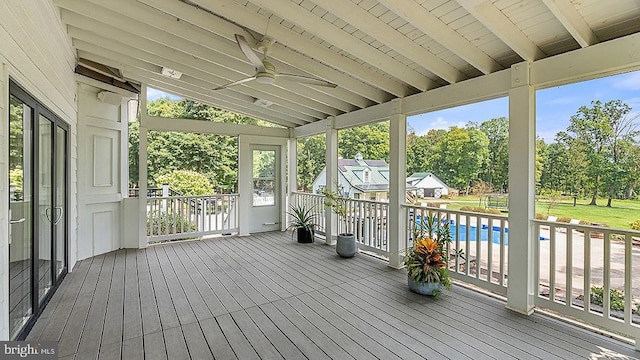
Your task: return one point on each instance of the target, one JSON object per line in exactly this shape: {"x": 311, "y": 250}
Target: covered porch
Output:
{"x": 259, "y": 294}
{"x": 265, "y": 296}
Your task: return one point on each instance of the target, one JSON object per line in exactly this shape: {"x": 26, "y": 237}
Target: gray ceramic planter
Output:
{"x": 346, "y": 245}
{"x": 425, "y": 288}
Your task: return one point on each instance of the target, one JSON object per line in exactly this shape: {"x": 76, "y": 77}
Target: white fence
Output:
{"x": 186, "y": 217}
{"x": 589, "y": 273}
{"x": 367, "y": 220}
{"x": 478, "y": 252}
{"x": 315, "y": 202}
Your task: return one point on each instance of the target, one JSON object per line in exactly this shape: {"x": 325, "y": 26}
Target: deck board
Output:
{"x": 267, "y": 297}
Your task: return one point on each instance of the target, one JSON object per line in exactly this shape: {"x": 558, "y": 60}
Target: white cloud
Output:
{"x": 154, "y": 94}
{"x": 440, "y": 123}
{"x": 630, "y": 81}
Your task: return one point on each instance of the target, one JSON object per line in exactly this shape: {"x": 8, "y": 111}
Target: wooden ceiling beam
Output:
{"x": 349, "y": 89}
{"x": 494, "y": 20}
{"x": 382, "y": 32}
{"x": 575, "y": 24}
{"x": 256, "y": 22}
{"x": 431, "y": 25}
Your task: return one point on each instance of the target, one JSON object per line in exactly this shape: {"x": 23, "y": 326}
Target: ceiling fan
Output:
{"x": 265, "y": 70}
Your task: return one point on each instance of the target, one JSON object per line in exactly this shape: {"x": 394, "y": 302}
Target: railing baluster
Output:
{"x": 478, "y": 246}
{"x": 628, "y": 289}
{"x": 606, "y": 275}
{"x": 569, "y": 267}
{"x": 490, "y": 250}
{"x": 552, "y": 264}
{"x": 587, "y": 271}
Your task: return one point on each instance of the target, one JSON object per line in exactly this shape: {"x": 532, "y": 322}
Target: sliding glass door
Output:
{"x": 38, "y": 174}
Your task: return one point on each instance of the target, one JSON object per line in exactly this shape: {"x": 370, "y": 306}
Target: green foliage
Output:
{"x": 302, "y": 218}
{"x": 372, "y": 141}
{"x": 335, "y": 202}
{"x": 427, "y": 259}
{"x": 635, "y": 225}
{"x": 311, "y": 160}
{"x": 186, "y": 182}
{"x": 162, "y": 223}
{"x": 482, "y": 210}
{"x": 15, "y": 178}
{"x": 216, "y": 156}
{"x": 616, "y": 299}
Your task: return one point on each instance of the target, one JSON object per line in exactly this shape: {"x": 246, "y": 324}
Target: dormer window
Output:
{"x": 366, "y": 176}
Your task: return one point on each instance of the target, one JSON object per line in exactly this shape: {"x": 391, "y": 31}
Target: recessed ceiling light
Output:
{"x": 170, "y": 73}
{"x": 262, "y": 102}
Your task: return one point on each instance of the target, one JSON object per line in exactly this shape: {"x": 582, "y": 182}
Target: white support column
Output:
{"x": 522, "y": 159}
{"x": 397, "y": 188}
{"x": 292, "y": 172}
{"x": 331, "y": 159}
{"x": 142, "y": 172}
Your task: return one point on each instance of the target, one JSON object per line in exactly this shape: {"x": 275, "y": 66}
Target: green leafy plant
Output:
{"x": 427, "y": 259}
{"x": 635, "y": 225}
{"x": 337, "y": 203}
{"x": 163, "y": 223}
{"x": 616, "y": 299}
{"x": 302, "y": 218}
{"x": 186, "y": 182}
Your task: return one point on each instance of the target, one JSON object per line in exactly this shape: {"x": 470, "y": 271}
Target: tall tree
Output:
{"x": 459, "y": 156}
{"x": 496, "y": 172}
{"x": 371, "y": 141}
{"x": 598, "y": 131}
{"x": 311, "y": 160}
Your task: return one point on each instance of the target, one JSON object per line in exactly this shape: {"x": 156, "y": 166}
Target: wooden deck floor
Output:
{"x": 266, "y": 297}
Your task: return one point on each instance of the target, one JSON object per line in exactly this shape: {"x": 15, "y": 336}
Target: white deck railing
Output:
{"x": 577, "y": 259}
{"x": 484, "y": 256}
{"x": 315, "y": 202}
{"x": 367, "y": 220}
{"x": 186, "y": 217}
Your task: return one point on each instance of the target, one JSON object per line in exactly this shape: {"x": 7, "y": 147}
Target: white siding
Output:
{"x": 36, "y": 53}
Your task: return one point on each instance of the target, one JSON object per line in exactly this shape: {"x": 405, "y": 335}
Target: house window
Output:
{"x": 366, "y": 176}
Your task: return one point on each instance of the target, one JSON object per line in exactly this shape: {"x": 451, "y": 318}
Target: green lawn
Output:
{"x": 618, "y": 216}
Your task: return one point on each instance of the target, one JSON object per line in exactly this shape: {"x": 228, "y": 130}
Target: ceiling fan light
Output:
{"x": 267, "y": 79}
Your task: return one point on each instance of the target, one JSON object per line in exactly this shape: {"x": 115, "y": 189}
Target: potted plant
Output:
{"x": 346, "y": 243}
{"x": 427, "y": 260}
{"x": 302, "y": 222}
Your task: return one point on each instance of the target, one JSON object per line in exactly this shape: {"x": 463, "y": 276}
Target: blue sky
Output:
{"x": 554, "y": 106}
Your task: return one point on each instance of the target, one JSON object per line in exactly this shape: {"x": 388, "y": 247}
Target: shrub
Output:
{"x": 466, "y": 208}
{"x": 616, "y": 299}
{"x": 186, "y": 182}
{"x": 635, "y": 225}
{"x": 541, "y": 216}
{"x": 162, "y": 223}
{"x": 564, "y": 219}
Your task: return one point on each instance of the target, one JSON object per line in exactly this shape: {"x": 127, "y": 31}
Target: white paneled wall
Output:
{"x": 37, "y": 54}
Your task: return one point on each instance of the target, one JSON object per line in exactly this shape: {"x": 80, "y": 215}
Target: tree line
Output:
{"x": 597, "y": 155}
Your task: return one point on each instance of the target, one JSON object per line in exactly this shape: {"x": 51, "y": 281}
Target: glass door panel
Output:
{"x": 46, "y": 211}
{"x": 20, "y": 210}
{"x": 60, "y": 214}
{"x": 264, "y": 177}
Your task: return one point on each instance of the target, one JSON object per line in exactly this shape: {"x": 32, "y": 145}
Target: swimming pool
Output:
{"x": 473, "y": 232}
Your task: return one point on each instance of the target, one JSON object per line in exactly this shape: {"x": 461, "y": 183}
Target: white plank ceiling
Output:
{"x": 374, "y": 51}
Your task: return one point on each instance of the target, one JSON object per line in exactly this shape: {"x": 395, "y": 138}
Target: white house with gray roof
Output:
{"x": 427, "y": 185}
{"x": 359, "y": 179}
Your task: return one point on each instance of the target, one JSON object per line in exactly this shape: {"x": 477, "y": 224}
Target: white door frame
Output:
{"x": 245, "y": 178}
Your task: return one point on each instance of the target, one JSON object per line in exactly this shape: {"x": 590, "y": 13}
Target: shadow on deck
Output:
{"x": 264, "y": 296}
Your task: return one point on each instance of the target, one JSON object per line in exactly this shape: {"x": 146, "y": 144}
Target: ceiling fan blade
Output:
{"x": 306, "y": 80}
{"x": 235, "y": 83}
{"x": 249, "y": 53}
